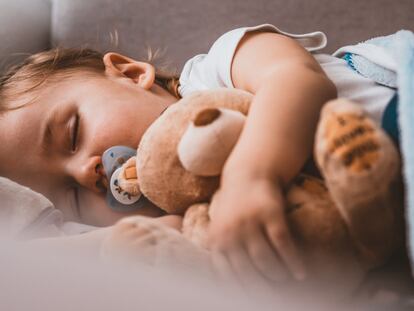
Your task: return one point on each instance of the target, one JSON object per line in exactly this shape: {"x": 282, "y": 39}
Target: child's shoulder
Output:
{"x": 312, "y": 41}
{"x": 213, "y": 69}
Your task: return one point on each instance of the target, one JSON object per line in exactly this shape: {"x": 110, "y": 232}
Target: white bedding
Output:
{"x": 23, "y": 210}
{"x": 25, "y": 213}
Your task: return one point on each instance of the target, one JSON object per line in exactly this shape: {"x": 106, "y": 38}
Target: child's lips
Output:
{"x": 102, "y": 183}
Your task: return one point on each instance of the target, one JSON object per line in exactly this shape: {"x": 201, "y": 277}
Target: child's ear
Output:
{"x": 142, "y": 73}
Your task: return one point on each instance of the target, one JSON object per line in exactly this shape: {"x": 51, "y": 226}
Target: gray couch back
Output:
{"x": 187, "y": 27}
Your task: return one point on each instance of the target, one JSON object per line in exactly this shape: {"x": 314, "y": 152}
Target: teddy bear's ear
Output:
{"x": 209, "y": 139}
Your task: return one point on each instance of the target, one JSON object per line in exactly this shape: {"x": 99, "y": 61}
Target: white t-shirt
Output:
{"x": 213, "y": 70}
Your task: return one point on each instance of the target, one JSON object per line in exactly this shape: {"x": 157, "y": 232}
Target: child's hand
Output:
{"x": 136, "y": 238}
{"x": 248, "y": 226}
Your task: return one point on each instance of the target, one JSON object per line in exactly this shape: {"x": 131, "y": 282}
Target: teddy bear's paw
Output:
{"x": 361, "y": 167}
{"x": 127, "y": 241}
{"x": 195, "y": 224}
{"x": 352, "y": 150}
{"x": 140, "y": 239}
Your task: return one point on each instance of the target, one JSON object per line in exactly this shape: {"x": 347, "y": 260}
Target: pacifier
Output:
{"x": 117, "y": 198}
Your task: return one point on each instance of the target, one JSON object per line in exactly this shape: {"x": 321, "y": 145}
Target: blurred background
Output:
{"x": 183, "y": 28}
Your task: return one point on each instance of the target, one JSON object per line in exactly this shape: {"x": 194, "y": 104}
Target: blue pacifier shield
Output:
{"x": 116, "y": 198}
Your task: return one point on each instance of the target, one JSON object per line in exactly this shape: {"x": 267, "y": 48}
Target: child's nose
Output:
{"x": 91, "y": 175}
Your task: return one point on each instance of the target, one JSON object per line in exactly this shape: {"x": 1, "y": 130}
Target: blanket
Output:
{"x": 389, "y": 60}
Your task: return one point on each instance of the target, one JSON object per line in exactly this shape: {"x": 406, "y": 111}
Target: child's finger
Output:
{"x": 223, "y": 268}
{"x": 264, "y": 256}
{"x": 246, "y": 271}
{"x": 280, "y": 237}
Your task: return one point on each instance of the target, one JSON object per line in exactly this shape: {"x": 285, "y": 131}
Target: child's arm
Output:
{"x": 248, "y": 220}
{"x": 86, "y": 244}
{"x": 89, "y": 244}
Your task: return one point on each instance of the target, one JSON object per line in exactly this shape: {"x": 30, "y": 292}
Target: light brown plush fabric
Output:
{"x": 163, "y": 180}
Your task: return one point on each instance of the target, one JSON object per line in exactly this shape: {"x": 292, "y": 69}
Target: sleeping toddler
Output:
{"x": 62, "y": 109}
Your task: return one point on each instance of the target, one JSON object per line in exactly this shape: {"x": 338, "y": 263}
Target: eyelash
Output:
{"x": 74, "y": 133}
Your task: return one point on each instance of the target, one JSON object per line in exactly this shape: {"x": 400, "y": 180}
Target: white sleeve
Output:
{"x": 213, "y": 70}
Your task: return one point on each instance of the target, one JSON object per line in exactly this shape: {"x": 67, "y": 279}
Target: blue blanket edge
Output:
{"x": 404, "y": 53}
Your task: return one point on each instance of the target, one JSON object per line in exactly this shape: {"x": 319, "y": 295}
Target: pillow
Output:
{"x": 25, "y": 213}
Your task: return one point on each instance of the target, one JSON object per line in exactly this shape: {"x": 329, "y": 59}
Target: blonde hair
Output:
{"x": 37, "y": 69}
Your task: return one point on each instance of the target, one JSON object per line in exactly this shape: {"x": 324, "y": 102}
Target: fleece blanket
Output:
{"x": 389, "y": 60}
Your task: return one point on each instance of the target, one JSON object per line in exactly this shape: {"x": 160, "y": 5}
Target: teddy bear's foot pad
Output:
{"x": 361, "y": 168}
{"x": 353, "y": 152}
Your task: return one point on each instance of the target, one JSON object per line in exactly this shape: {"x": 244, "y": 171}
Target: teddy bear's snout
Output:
{"x": 209, "y": 139}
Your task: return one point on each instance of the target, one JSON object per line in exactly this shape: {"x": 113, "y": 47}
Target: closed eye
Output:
{"x": 74, "y": 132}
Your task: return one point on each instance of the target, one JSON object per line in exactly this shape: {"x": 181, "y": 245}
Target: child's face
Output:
{"x": 113, "y": 109}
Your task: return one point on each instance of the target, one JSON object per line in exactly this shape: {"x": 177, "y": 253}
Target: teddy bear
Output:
{"x": 345, "y": 224}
